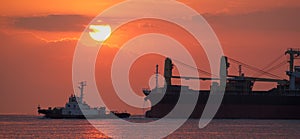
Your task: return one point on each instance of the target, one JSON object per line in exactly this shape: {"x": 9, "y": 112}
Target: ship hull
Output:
{"x": 53, "y": 114}
{"x": 257, "y": 105}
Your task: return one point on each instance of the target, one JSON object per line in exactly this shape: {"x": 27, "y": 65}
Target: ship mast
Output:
{"x": 81, "y": 87}
{"x": 156, "y": 77}
{"x": 240, "y": 70}
{"x": 168, "y": 71}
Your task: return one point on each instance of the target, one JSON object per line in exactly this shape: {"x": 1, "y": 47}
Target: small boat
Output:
{"x": 76, "y": 108}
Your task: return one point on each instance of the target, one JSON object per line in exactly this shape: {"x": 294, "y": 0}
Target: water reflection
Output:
{"x": 33, "y": 127}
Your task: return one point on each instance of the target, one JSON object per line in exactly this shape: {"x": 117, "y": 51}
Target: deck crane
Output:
{"x": 240, "y": 83}
{"x": 293, "y": 72}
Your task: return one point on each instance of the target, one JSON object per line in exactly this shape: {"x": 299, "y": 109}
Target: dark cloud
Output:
{"x": 279, "y": 19}
{"x": 63, "y": 23}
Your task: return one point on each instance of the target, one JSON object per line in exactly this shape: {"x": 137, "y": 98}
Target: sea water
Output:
{"x": 26, "y": 126}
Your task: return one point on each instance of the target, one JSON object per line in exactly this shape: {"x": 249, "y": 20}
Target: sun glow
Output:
{"x": 99, "y": 32}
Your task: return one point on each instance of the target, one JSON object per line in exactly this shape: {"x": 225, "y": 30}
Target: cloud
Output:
{"x": 277, "y": 19}
{"x": 52, "y": 23}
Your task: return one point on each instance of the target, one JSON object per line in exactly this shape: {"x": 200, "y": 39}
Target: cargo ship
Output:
{"x": 240, "y": 101}
{"x": 76, "y": 108}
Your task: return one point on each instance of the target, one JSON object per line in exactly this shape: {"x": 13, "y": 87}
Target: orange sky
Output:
{"x": 38, "y": 40}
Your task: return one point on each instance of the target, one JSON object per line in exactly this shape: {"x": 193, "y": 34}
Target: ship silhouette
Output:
{"x": 239, "y": 100}
{"x": 76, "y": 108}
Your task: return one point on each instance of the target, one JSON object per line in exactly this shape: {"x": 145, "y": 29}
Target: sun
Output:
{"x": 99, "y": 32}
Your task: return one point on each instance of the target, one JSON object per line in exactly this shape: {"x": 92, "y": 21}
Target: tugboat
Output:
{"x": 76, "y": 108}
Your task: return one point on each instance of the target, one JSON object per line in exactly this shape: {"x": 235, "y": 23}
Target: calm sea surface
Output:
{"x": 21, "y": 126}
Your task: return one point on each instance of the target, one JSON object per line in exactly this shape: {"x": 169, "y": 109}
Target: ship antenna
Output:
{"x": 81, "y": 87}
{"x": 240, "y": 70}
{"x": 156, "y": 77}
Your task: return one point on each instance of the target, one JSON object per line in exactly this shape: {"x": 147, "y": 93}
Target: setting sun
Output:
{"x": 99, "y": 32}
